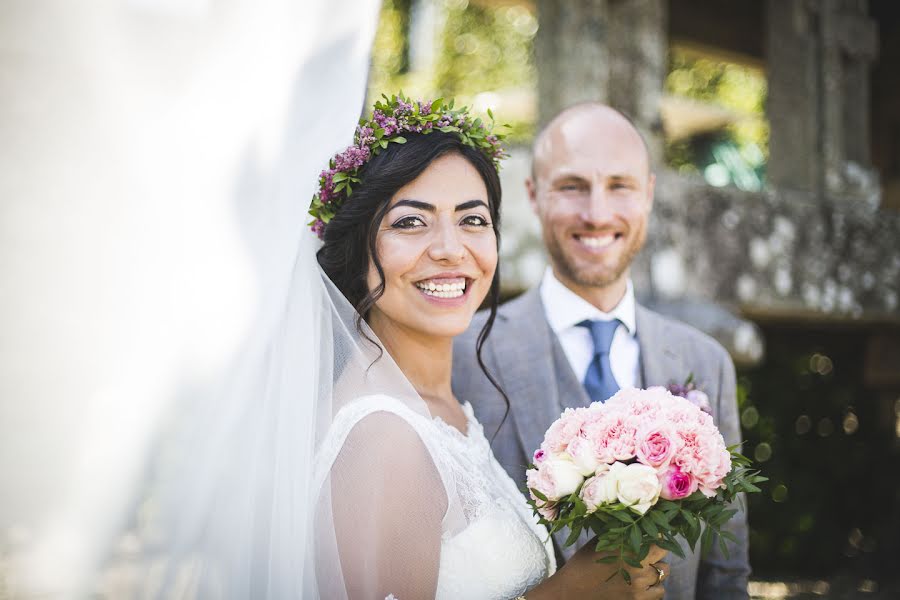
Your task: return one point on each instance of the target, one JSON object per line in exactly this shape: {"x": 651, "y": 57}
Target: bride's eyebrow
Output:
{"x": 431, "y": 208}
{"x": 415, "y": 204}
{"x": 471, "y": 204}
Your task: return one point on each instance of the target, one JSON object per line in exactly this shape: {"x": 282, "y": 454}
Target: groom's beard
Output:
{"x": 588, "y": 275}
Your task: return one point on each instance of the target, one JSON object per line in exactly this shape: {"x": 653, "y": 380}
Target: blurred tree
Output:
{"x": 739, "y": 151}
{"x": 390, "y": 51}
{"x": 483, "y": 57}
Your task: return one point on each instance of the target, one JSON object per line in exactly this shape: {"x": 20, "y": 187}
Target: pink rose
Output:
{"x": 612, "y": 435}
{"x": 563, "y": 430}
{"x": 538, "y": 457}
{"x": 548, "y": 510}
{"x": 676, "y": 484}
{"x": 656, "y": 446}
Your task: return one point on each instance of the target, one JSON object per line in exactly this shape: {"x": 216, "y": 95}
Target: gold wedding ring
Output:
{"x": 660, "y": 575}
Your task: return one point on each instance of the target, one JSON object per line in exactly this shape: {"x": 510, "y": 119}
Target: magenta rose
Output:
{"x": 676, "y": 484}
{"x": 656, "y": 447}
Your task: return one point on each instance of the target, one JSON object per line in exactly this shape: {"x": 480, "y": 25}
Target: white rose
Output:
{"x": 638, "y": 487}
{"x": 563, "y": 476}
{"x": 600, "y": 489}
{"x": 583, "y": 456}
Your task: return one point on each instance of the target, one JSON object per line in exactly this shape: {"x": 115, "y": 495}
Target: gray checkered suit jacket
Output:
{"x": 525, "y": 356}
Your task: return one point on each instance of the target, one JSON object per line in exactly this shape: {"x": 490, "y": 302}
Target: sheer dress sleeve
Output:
{"x": 383, "y": 505}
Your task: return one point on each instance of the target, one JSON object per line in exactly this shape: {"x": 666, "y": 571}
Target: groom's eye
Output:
{"x": 408, "y": 223}
{"x": 571, "y": 186}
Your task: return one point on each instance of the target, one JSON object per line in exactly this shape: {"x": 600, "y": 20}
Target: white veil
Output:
{"x": 154, "y": 115}
{"x": 234, "y": 503}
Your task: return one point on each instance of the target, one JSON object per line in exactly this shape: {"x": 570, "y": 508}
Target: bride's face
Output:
{"x": 438, "y": 250}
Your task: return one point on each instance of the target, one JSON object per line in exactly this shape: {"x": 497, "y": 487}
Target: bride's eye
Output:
{"x": 410, "y": 222}
{"x": 475, "y": 221}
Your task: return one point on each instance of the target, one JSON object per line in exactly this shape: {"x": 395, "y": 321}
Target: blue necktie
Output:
{"x": 599, "y": 381}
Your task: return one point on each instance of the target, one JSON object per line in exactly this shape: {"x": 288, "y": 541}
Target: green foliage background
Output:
{"x": 741, "y": 89}
{"x": 481, "y": 48}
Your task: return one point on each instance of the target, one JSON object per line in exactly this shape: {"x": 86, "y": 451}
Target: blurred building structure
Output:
{"x": 809, "y": 263}
{"x": 822, "y": 240}
{"x": 790, "y": 259}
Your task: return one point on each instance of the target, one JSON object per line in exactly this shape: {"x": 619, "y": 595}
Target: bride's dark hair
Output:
{"x": 349, "y": 238}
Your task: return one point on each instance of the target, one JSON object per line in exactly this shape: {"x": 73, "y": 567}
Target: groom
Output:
{"x": 580, "y": 336}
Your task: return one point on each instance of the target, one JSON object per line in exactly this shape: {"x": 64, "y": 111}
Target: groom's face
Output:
{"x": 592, "y": 190}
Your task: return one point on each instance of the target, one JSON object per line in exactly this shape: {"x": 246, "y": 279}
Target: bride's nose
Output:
{"x": 447, "y": 245}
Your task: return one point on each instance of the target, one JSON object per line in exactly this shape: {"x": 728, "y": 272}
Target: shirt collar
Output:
{"x": 564, "y": 308}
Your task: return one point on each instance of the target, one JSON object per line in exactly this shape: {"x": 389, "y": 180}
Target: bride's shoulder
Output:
{"x": 364, "y": 406}
{"x": 376, "y": 418}
{"x": 383, "y": 430}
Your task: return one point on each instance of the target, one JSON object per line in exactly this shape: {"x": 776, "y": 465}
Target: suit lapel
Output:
{"x": 527, "y": 363}
{"x": 660, "y": 362}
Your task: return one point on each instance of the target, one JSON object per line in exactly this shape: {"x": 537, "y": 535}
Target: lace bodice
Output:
{"x": 491, "y": 546}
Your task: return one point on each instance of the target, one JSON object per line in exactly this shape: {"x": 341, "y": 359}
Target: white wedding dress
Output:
{"x": 491, "y": 545}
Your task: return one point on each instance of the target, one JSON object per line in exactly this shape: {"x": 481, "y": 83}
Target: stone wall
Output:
{"x": 817, "y": 244}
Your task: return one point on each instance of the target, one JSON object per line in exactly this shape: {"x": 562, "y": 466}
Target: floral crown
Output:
{"x": 391, "y": 118}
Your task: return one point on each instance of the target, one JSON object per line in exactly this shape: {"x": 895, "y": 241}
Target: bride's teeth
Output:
{"x": 443, "y": 290}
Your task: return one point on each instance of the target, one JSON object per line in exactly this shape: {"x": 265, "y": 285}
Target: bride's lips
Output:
{"x": 445, "y": 289}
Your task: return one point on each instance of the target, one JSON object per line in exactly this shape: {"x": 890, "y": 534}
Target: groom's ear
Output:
{"x": 531, "y": 188}
{"x": 651, "y": 188}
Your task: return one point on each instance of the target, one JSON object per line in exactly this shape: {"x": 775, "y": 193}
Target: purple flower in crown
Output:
{"x": 364, "y": 135}
{"x": 403, "y": 108}
{"x": 326, "y": 192}
{"x": 352, "y": 158}
{"x": 390, "y": 119}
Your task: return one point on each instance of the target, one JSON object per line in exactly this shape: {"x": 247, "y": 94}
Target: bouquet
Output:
{"x": 640, "y": 469}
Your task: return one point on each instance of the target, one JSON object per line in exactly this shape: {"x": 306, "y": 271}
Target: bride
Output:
{"x": 334, "y": 461}
{"x": 409, "y": 499}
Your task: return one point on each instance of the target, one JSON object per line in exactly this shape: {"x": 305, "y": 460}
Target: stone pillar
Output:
{"x": 793, "y": 106}
{"x": 612, "y": 51}
{"x": 849, "y": 46}
{"x": 570, "y": 54}
{"x": 638, "y": 55}
{"x": 818, "y": 56}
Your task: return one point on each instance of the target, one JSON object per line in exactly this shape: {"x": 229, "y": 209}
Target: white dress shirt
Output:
{"x": 565, "y": 309}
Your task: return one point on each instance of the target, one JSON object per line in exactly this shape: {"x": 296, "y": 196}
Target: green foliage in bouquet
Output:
{"x": 625, "y": 536}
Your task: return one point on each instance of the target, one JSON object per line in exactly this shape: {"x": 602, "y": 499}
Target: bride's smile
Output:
{"x": 445, "y": 288}
{"x": 437, "y": 249}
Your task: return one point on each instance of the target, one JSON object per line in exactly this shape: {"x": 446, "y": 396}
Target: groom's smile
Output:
{"x": 597, "y": 241}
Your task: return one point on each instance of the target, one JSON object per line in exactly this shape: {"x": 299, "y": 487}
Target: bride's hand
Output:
{"x": 583, "y": 577}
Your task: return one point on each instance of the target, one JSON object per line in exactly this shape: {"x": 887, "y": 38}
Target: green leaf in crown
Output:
{"x": 392, "y": 117}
